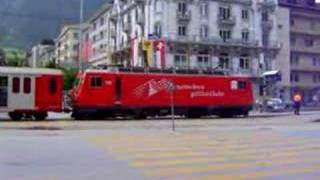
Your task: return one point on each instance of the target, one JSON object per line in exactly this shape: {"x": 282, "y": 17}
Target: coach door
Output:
{"x": 22, "y": 92}
{"x": 3, "y": 91}
{"x": 118, "y": 90}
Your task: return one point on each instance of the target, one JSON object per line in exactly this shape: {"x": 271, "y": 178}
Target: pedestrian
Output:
{"x": 297, "y": 98}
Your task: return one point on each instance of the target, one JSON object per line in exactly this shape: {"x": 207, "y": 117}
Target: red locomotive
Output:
{"x": 28, "y": 92}
{"x": 102, "y": 93}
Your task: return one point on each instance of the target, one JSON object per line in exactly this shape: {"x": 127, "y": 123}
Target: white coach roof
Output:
{"x": 26, "y": 70}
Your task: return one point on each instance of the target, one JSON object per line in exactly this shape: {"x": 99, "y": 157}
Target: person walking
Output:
{"x": 297, "y": 98}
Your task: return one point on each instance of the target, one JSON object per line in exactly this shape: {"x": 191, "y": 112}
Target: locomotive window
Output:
{"x": 96, "y": 82}
{"x": 27, "y": 85}
{"x": 16, "y": 85}
{"x": 242, "y": 85}
{"x": 53, "y": 86}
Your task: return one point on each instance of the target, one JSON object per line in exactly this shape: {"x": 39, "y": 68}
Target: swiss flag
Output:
{"x": 160, "y": 50}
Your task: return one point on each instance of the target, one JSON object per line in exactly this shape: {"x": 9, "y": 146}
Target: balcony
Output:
{"x": 267, "y": 4}
{"x": 184, "y": 16}
{"x": 212, "y": 41}
{"x": 230, "y": 21}
{"x": 267, "y": 25}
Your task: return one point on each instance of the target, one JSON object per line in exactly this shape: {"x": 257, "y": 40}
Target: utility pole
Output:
{"x": 80, "y": 63}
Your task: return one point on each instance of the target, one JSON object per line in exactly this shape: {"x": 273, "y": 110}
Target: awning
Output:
{"x": 271, "y": 73}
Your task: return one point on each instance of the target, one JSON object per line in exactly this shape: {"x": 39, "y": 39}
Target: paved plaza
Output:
{"x": 263, "y": 146}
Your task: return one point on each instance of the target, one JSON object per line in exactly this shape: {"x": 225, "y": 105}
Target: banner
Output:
{"x": 147, "y": 46}
{"x": 134, "y": 52}
{"x": 87, "y": 50}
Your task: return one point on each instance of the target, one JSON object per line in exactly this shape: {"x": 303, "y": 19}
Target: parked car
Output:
{"x": 275, "y": 105}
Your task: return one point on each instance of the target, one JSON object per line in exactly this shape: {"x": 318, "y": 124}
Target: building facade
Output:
{"x": 302, "y": 69}
{"x": 99, "y": 36}
{"x": 238, "y": 36}
{"x": 67, "y": 46}
{"x": 42, "y": 54}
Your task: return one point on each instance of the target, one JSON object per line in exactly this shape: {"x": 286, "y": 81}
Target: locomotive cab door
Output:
{"x": 21, "y": 92}
{"x": 3, "y": 91}
{"x": 118, "y": 90}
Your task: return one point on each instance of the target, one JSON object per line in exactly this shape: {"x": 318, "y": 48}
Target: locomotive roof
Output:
{"x": 26, "y": 70}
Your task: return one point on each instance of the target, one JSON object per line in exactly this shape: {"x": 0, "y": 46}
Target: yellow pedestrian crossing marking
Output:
{"x": 183, "y": 154}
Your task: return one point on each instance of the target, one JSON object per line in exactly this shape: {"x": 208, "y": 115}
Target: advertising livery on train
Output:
{"x": 103, "y": 93}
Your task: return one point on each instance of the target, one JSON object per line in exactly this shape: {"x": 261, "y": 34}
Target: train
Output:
{"x": 30, "y": 92}
{"x": 99, "y": 94}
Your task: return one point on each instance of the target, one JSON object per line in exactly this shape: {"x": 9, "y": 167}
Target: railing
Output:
{"x": 185, "y": 16}
{"x": 227, "y": 21}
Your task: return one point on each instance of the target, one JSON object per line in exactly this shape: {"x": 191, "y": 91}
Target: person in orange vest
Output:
{"x": 297, "y": 98}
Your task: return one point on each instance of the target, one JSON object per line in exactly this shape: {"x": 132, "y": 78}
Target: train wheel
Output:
{"x": 40, "y": 116}
{"x": 15, "y": 116}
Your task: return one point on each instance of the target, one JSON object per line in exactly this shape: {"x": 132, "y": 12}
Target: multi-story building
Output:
{"x": 42, "y": 54}
{"x": 239, "y": 36}
{"x": 67, "y": 46}
{"x": 98, "y": 36}
{"x": 301, "y": 36}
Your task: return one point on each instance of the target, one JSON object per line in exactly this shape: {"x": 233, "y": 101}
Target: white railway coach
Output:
{"x": 29, "y": 92}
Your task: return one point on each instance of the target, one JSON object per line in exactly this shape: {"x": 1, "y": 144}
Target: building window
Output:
{"x": 224, "y": 13}
{"x": 16, "y": 85}
{"x": 292, "y": 22}
{"x": 101, "y": 21}
{"x": 225, "y": 35}
{"x": 244, "y": 62}
{"x": 158, "y": 6}
{"x": 224, "y": 61}
{"x": 101, "y": 35}
{"x": 245, "y": 14}
{"x": 204, "y": 9}
{"x": 96, "y": 82}
{"x": 27, "y": 85}
{"x": 182, "y": 30}
{"x": 294, "y": 59}
{"x": 265, "y": 16}
{"x": 204, "y": 31}
{"x": 308, "y": 42}
{"x": 182, "y": 7}
{"x": 293, "y": 40}
{"x": 180, "y": 61}
{"x": 75, "y": 35}
{"x": 294, "y": 77}
{"x": 245, "y": 36}
{"x": 94, "y": 26}
{"x": 203, "y": 61}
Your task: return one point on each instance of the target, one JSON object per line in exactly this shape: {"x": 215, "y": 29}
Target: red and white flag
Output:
{"x": 160, "y": 50}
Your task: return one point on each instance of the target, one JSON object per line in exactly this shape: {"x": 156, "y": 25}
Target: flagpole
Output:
{"x": 80, "y": 36}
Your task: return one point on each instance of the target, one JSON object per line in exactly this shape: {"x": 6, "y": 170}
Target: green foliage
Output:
{"x": 15, "y": 57}
{"x": 69, "y": 77}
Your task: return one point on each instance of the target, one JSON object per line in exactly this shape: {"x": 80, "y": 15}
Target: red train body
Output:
{"x": 27, "y": 92}
{"x": 100, "y": 93}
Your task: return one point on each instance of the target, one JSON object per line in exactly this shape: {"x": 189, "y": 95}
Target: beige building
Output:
{"x": 67, "y": 46}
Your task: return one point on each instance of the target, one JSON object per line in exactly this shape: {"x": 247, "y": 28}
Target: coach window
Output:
{"x": 96, "y": 82}
{"x": 27, "y": 85}
{"x": 53, "y": 86}
{"x": 16, "y": 85}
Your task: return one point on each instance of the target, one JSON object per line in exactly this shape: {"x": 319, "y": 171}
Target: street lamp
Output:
{"x": 80, "y": 63}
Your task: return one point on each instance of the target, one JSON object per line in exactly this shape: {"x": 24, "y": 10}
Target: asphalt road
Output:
{"x": 263, "y": 146}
